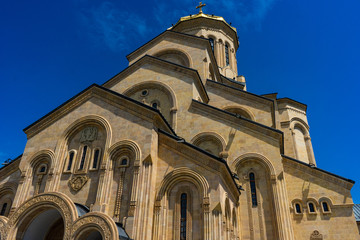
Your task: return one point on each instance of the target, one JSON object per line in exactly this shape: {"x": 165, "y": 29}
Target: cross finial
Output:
{"x": 200, "y": 6}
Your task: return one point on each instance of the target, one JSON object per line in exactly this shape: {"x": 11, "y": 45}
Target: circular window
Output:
{"x": 144, "y": 92}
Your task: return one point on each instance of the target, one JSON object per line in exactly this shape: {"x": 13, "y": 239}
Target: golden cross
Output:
{"x": 200, "y": 6}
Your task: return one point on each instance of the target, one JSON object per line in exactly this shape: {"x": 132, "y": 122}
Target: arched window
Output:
{"x": 3, "y": 209}
{"x": 227, "y": 55}
{"x": 83, "y": 156}
{"x": 154, "y": 105}
{"x": 183, "y": 211}
{"x": 71, "y": 159}
{"x": 253, "y": 189}
{"x": 297, "y": 208}
{"x": 124, "y": 162}
{"x": 211, "y": 43}
{"x": 311, "y": 207}
{"x": 325, "y": 207}
{"x": 96, "y": 158}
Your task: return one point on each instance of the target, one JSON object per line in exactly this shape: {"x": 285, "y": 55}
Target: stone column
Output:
{"x": 282, "y": 222}
{"x": 206, "y": 210}
{"x": 309, "y": 150}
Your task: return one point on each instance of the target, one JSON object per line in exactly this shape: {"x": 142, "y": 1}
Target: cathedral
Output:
{"x": 175, "y": 147}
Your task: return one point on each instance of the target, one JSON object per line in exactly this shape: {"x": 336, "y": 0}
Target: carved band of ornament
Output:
{"x": 91, "y": 220}
{"x": 285, "y": 124}
{"x": 295, "y": 110}
{"x": 41, "y": 200}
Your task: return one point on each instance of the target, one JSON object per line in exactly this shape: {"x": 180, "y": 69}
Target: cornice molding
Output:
{"x": 240, "y": 93}
{"x": 319, "y": 173}
{"x": 108, "y": 96}
{"x": 147, "y": 59}
{"x": 233, "y": 118}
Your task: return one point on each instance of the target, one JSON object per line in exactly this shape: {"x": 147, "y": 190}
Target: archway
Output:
{"x": 45, "y": 224}
{"x": 90, "y": 234}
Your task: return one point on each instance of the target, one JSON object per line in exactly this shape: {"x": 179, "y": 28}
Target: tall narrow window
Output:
{"x": 211, "y": 44}
{"x": 325, "y": 206}
{"x": 96, "y": 158}
{"x": 71, "y": 158}
{"x": 311, "y": 208}
{"x": 183, "y": 205}
{"x": 297, "y": 208}
{"x": 3, "y": 209}
{"x": 253, "y": 189}
{"x": 83, "y": 158}
{"x": 227, "y": 54}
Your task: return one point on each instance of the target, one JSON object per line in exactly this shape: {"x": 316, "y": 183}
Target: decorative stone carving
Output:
{"x": 132, "y": 208}
{"x": 89, "y": 134}
{"x": 206, "y": 204}
{"x": 77, "y": 182}
{"x": 101, "y": 222}
{"x": 316, "y": 235}
{"x": 60, "y": 202}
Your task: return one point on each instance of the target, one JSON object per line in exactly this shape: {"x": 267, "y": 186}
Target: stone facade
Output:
{"x": 174, "y": 147}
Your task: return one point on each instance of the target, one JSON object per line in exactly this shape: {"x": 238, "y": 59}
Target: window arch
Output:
{"x": 227, "y": 58}
{"x": 175, "y": 56}
{"x": 253, "y": 189}
{"x": 70, "y": 160}
{"x": 298, "y": 208}
{"x": 311, "y": 207}
{"x": 3, "y": 209}
{"x": 211, "y": 40}
{"x": 183, "y": 215}
{"x": 84, "y": 153}
{"x": 325, "y": 207}
{"x": 96, "y": 158}
{"x": 240, "y": 111}
{"x": 210, "y": 142}
{"x": 158, "y": 95}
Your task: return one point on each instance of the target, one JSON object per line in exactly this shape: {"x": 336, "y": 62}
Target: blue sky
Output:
{"x": 305, "y": 50}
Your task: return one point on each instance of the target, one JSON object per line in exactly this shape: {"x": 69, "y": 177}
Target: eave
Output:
{"x": 311, "y": 169}
{"x": 241, "y": 121}
{"x": 147, "y": 59}
{"x": 191, "y": 151}
{"x": 109, "y": 96}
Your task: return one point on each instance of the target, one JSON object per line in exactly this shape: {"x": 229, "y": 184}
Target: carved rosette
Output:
{"x": 76, "y": 183}
{"x": 316, "y": 235}
{"x": 57, "y": 201}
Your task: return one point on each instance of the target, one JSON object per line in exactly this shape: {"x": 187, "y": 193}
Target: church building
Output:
{"x": 174, "y": 147}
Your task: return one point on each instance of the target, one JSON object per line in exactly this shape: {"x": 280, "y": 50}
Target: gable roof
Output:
{"x": 318, "y": 172}
{"x": 253, "y": 96}
{"x": 189, "y": 150}
{"x": 147, "y": 59}
{"x": 263, "y": 129}
{"x": 356, "y": 209}
{"x": 91, "y": 91}
{"x": 171, "y": 33}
